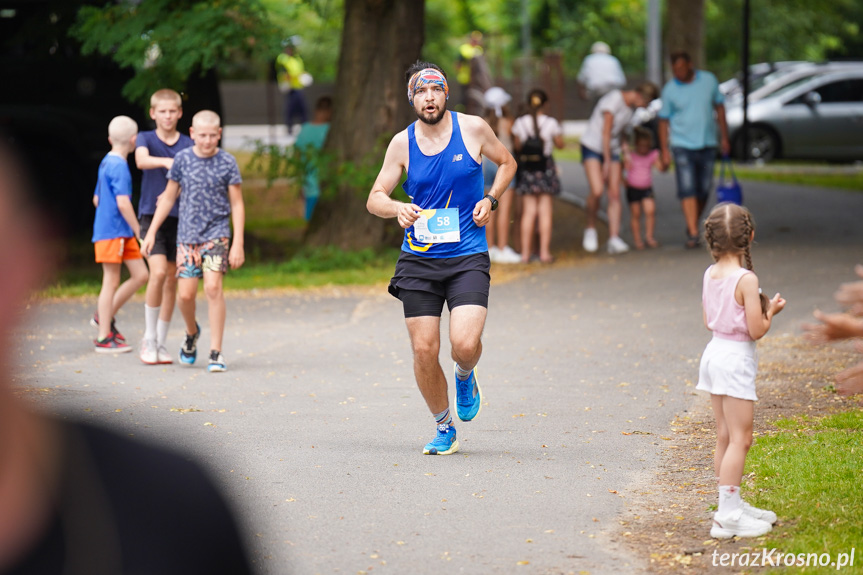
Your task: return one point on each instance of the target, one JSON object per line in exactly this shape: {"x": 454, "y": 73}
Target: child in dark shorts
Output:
{"x": 639, "y": 164}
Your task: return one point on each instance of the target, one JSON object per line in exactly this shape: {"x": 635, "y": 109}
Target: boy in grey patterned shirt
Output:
{"x": 211, "y": 199}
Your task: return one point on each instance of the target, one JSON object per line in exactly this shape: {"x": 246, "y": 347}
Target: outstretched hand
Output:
{"x": 833, "y": 326}
{"x": 850, "y": 294}
{"x": 850, "y": 381}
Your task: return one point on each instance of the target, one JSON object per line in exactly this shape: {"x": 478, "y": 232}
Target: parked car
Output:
{"x": 784, "y": 75}
{"x": 733, "y": 87}
{"x": 819, "y": 117}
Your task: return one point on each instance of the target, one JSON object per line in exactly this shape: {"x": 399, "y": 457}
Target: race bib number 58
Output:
{"x": 438, "y": 226}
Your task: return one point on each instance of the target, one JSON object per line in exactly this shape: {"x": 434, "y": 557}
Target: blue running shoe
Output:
{"x": 468, "y": 397}
{"x": 444, "y": 444}
{"x": 189, "y": 349}
{"x": 217, "y": 362}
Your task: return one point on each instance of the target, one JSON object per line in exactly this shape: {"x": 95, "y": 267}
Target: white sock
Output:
{"x": 729, "y": 499}
{"x": 151, "y": 316}
{"x": 162, "y": 331}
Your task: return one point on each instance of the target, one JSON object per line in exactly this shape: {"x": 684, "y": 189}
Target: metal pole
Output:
{"x": 745, "y": 129}
{"x": 654, "y": 42}
{"x": 527, "y": 72}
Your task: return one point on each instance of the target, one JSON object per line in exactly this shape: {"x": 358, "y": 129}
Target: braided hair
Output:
{"x": 728, "y": 229}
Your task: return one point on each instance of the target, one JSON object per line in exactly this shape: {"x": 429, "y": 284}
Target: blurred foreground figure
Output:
{"x": 77, "y": 500}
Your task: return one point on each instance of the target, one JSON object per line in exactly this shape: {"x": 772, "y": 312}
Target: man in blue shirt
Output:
{"x": 689, "y": 101}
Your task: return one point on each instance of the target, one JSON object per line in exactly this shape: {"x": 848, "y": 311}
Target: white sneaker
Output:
{"x": 738, "y": 524}
{"x": 509, "y": 256}
{"x": 494, "y": 254}
{"x": 590, "y": 243}
{"x": 149, "y": 352}
{"x": 762, "y": 514}
{"x": 163, "y": 355}
{"x": 617, "y": 246}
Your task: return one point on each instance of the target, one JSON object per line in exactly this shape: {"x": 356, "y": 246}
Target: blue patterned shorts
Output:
{"x": 195, "y": 259}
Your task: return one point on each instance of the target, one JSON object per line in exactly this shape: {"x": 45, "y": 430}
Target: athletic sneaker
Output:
{"x": 163, "y": 356}
{"x": 468, "y": 397}
{"x": 111, "y": 345}
{"x": 149, "y": 351}
{"x": 189, "y": 349}
{"x": 738, "y": 524}
{"x": 508, "y": 256}
{"x": 617, "y": 246}
{"x": 494, "y": 254}
{"x": 217, "y": 361}
{"x": 762, "y": 514}
{"x": 444, "y": 444}
{"x": 590, "y": 243}
{"x": 94, "y": 321}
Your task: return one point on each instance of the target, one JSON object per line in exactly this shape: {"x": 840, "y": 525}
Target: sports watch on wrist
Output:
{"x": 493, "y": 201}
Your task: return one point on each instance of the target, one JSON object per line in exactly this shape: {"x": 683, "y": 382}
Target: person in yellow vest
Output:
{"x": 292, "y": 77}
{"x": 472, "y": 74}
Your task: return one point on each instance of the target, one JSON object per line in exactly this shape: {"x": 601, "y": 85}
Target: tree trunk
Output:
{"x": 380, "y": 40}
{"x": 685, "y": 30}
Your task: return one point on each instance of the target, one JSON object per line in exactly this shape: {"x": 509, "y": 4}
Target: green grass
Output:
{"x": 316, "y": 267}
{"x": 811, "y": 474}
{"x": 846, "y": 180}
{"x": 306, "y": 268}
{"x": 817, "y": 175}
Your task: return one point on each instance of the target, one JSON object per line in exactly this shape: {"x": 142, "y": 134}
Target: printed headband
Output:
{"x": 424, "y": 77}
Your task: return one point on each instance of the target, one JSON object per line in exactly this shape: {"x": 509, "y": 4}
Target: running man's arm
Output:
{"x": 237, "y": 255}
{"x": 124, "y": 204}
{"x": 490, "y": 147}
{"x": 163, "y": 209}
{"x": 380, "y": 203}
{"x": 145, "y": 161}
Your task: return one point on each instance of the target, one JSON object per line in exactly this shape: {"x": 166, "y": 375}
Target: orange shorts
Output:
{"x": 117, "y": 250}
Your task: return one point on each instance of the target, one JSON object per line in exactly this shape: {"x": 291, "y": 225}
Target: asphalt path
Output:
{"x": 315, "y": 433}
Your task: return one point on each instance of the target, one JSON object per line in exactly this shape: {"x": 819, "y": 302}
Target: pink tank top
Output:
{"x": 639, "y": 174}
{"x": 725, "y": 317}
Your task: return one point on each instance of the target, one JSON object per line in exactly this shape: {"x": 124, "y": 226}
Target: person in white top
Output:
{"x": 500, "y": 118}
{"x": 601, "y": 147}
{"x": 600, "y": 72}
{"x": 737, "y": 313}
{"x": 536, "y": 180}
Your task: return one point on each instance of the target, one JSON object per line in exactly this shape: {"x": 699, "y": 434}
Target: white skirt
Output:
{"x": 728, "y": 368}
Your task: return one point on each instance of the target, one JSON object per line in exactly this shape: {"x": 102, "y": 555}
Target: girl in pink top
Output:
{"x": 737, "y": 314}
{"x": 639, "y": 187}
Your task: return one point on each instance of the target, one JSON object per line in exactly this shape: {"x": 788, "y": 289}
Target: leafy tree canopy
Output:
{"x": 166, "y": 41}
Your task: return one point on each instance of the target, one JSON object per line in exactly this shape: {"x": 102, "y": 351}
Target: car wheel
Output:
{"x": 763, "y": 144}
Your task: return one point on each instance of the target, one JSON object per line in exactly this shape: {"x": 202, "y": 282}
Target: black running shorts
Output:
{"x": 424, "y": 284}
{"x": 166, "y": 237}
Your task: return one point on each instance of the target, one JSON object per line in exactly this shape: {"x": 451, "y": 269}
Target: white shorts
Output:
{"x": 728, "y": 368}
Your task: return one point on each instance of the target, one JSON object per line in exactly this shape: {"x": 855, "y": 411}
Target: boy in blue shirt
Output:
{"x": 211, "y": 199}
{"x": 115, "y": 234}
{"x": 154, "y": 156}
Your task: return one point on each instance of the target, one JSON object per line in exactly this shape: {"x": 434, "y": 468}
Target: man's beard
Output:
{"x": 434, "y": 118}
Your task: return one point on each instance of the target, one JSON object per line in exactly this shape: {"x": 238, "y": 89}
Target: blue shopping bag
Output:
{"x": 728, "y": 190}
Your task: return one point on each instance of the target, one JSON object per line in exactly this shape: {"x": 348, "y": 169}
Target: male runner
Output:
{"x": 444, "y": 254}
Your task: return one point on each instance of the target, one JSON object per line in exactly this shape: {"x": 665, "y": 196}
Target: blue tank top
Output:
{"x": 450, "y": 179}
